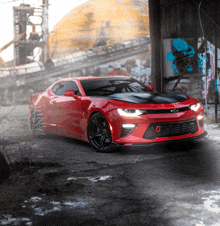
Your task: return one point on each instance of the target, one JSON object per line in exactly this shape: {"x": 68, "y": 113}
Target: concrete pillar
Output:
{"x": 155, "y": 34}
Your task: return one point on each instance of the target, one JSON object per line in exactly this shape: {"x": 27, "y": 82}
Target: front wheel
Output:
{"x": 99, "y": 134}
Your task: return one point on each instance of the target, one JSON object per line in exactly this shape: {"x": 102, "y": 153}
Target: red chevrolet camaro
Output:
{"x": 113, "y": 111}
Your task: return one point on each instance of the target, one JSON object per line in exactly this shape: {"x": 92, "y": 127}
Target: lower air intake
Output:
{"x": 169, "y": 129}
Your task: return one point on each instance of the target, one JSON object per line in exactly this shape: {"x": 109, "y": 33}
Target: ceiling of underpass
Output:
{"x": 189, "y": 19}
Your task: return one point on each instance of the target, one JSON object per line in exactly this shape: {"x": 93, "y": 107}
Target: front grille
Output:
{"x": 169, "y": 129}
{"x": 159, "y": 111}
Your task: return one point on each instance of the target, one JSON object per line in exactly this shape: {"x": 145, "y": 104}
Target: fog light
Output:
{"x": 200, "y": 119}
{"x": 127, "y": 129}
{"x": 128, "y": 126}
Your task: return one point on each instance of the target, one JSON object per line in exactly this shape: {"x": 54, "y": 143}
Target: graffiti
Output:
{"x": 179, "y": 53}
{"x": 200, "y": 60}
{"x": 180, "y": 56}
{"x": 207, "y": 68}
{"x": 210, "y": 76}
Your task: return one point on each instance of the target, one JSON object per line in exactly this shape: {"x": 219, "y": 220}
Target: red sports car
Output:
{"x": 113, "y": 111}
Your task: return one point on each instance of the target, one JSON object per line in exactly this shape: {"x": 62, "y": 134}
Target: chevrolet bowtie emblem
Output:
{"x": 174, "y": 110}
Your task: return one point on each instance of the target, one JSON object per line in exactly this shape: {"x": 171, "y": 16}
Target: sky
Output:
{"x": 57, "y": 10}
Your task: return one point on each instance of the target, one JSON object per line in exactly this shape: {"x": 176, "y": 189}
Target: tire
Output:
{"x": 99, "y": 134}
{"x": 37, "y": 126}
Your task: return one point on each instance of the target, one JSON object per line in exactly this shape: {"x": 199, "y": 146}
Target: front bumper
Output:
{"x": 160, "y": 142}
{"x": 156, "y": 128}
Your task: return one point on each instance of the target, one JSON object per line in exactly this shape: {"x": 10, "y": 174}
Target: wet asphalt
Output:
{"x": 172, "y": 185}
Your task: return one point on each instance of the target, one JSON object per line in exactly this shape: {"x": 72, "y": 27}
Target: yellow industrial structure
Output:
{"x": 99, "y": 22}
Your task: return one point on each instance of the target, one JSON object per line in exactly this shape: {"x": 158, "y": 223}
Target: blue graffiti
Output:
{"x": 190, "y": 52}
{"x": 174, "y": 67}
{"x": 200, "y": 61}
{"x": 190, "y": 68}
{"x": 180, "y": 44}
{"x": 181, "y": 55}
{"x": 170, "y": 56}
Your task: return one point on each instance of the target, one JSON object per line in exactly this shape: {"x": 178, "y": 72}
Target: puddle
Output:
{"x": 8, "y": 219}
{"x": 42, "y": 207}
{"x": 76, "y": 204}
{"x": 55, "y": 203}
{"x": 93, "y": 179}
{"x": 40, "y": 211}
{"x": 212, "y": 201}
{"x": 35, "y": 199}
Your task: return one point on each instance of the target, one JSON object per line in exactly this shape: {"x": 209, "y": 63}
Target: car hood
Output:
{"x": 149, "y": 98}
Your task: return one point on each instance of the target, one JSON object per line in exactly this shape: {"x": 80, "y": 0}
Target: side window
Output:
{"x": 73, "y": 86}
{"x": 61, "y": 87}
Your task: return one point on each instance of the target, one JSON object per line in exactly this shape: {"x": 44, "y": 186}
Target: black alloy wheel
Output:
{"x": 37, "y": 126}
{"x": 99, "y": 134}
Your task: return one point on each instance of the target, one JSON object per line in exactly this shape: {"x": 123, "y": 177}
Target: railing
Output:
{"x": 89, "y": 55}
{"x": 24, "y": 69}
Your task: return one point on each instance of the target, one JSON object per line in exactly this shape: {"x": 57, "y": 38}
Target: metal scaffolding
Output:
{"x": 25, "y": 41}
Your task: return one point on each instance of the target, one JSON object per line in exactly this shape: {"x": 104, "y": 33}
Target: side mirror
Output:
{"x": 70, "y": 93}
{"x": 150, "y": 87}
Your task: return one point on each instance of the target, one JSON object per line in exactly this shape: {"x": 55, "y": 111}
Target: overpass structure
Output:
{"x": 12, "y": 79}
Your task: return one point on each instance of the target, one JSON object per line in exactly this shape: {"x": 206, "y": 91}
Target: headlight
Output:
{"x": 130, "y": 112}
{"x": 195, "y": 107}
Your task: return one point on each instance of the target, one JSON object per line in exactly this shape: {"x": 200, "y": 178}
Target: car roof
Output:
{"x": 92, "y": 77}
{"x": 98, "y": 77}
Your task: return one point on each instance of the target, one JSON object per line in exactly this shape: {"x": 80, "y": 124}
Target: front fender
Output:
{"x": 104, "y": 107}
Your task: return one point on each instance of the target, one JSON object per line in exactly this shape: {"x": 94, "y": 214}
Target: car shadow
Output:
{"x": 158, "y": 148}
{"x": 197, "y": 160}
{"x": 184, "y": 160}
{"x": 64, "y": 139}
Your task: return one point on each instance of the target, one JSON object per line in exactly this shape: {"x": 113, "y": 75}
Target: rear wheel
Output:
{"x": 37, "y": 126}
{"x": 99, "y": 134}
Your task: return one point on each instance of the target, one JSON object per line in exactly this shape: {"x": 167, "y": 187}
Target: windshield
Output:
{"x": 109, "y": 86}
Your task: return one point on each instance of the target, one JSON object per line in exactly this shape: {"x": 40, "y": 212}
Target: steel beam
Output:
{"x": 155, "y": 34}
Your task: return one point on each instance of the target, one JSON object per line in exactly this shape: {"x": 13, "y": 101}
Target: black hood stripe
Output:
{"x": 148, "y": 98}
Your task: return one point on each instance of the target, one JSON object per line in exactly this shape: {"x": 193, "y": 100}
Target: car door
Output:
{"x": 55, "y": 115}
{"x": 66, "y": 109}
